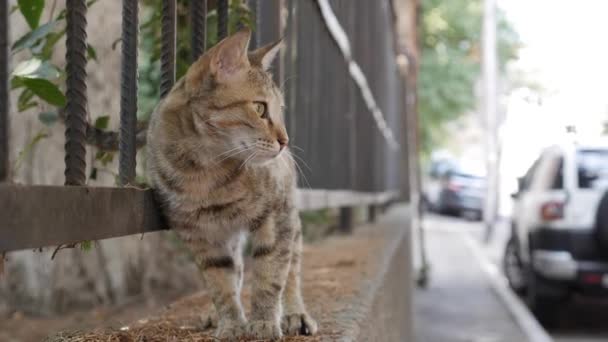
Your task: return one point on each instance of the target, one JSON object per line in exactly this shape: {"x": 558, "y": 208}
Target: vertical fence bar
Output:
{"x": 167, "y": 55}
{"x": 346, "y": 220}
{"x": 4, "y": 98}
{"x": 76, "y": 108}
{"x": 255, "y": 21}
{"x": 198, "y": 22}
{"x": 128, "y": 92}
{"x": 222, "y": 19}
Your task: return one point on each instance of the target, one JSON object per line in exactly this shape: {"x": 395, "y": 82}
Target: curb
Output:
{"x": 526, "y": 321}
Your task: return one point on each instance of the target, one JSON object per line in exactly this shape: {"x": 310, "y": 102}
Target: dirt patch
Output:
{"x": 333, "y": 272}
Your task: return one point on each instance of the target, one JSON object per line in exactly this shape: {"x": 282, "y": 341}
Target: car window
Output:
{"x": 529, "y": 176}
{"x": 558, "y": 176}
{"x": 467, "y": 179}
{"x": 592, "y": 168}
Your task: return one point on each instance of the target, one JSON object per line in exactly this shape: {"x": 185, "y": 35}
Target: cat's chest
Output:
{"x": 234, "y": 203}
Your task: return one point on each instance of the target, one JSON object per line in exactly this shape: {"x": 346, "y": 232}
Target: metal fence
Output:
{"x": 328, "y": 118}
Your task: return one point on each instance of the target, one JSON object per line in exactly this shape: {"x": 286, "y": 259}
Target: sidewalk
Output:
{"x": 459, "y": 303}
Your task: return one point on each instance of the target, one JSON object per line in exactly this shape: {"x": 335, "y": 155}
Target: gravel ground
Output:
{"x": 337, "y": 275}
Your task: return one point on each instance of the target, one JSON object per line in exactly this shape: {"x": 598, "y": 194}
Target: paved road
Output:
{"x": 582, "y": 320}
{"x": 459, "y": 304}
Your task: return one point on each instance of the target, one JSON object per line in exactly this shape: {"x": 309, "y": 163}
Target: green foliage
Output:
{"x": 48, "y": 118}
{"x": 31, "y": 10}
{"x": 149, "y": 52}
{"x": 45, "y": 90}
{"x": 42, "y": 134}
{"x": 102, "y": 122}
{"x": 450, "y": 64}
{"x": 37, "y": 78}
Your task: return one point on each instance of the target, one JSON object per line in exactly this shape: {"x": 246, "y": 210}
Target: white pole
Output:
{"x": 490, "y": 75}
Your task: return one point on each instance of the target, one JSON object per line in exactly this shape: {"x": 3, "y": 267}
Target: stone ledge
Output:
{"x": 357, "y": 287}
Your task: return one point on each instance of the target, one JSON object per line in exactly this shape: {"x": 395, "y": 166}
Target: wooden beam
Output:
{"x": 314, "y": 199}
{"x": 36, "y": 216}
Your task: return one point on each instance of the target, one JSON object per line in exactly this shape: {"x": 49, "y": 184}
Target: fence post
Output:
{"x": 254, "y": 9}
{"x": 128, "y": 92}
{"x": 198, "y": 22}
{"x": 222, "y": 19}
{"x": 4, "y": 91}
{"x": 372, "y": 213}
{"x": 167, "y": 54}
{"x": 346, "y": 220}
{"x": 76, "y": 108}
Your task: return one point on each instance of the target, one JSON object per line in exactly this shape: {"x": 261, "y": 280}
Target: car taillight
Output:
{"x": 552, "y": 211}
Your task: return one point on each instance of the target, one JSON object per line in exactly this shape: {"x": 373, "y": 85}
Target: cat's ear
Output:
{"x": 265, "y": 55}
{"x": 222, "y": 62}
{"x": 230, "y": 56}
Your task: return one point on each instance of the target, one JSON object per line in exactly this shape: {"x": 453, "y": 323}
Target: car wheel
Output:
{"x": 513, "y": 267}
{"x": 542, "y": 300}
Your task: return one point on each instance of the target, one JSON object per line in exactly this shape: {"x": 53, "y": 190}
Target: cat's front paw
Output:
{"x": 264, "y": 330}
{"x": 230, "y": 330}
{"x": 298, "y": 324}
{"x": 209, "y": 320}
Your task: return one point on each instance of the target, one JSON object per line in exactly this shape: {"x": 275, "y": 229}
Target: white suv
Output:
{"x": 556, "y": 246}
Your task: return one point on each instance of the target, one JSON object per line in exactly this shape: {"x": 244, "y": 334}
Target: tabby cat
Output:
{"x": 218, "y": 160}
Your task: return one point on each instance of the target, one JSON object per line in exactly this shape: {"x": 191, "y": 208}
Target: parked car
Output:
{"x": 454, "y": 190}
{"x": 556, "y": 248}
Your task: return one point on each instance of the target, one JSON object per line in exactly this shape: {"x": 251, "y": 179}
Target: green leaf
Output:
{"x": 48, "y": 118}
{"x": 49, "y": 44}
{"x": 91, "y": 53}
{"x": 104, "y": 157}
{"x": 45, "y": 90}
{"x": 36, "y": 68}
{"x": 42, "y": 134}
{"x": 31, "y": 10}
{"x": 86, "y": 245}
{"x": 102, "y": 122}
{"x": 93, "y": 174}
{"x": 31, "y": 38}
{"x": 24, "y": 102}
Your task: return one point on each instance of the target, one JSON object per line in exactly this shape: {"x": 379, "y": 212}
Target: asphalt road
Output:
{"x": 460, "y": 297}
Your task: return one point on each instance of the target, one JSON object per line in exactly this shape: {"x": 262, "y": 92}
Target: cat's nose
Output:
{"x": 283, "y": 142}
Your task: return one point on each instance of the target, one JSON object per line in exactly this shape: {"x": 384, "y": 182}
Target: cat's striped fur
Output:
{"x": 218, "y": 160}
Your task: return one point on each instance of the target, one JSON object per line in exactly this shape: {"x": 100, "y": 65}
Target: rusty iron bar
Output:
{"x": 76, "y": 108}
{"x": 128, "y": 93}
{"x": 222, "y": 19}
{"x": 4, "y": 91}
{"x": 254, "y": 8}
{"x": 168, "y": 41}
{"x": 198, "y": 21}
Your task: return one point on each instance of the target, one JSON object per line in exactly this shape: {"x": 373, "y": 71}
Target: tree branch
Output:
{"x": 109, "y": 140}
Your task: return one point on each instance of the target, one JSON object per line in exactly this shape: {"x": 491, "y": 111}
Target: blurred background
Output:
{"x": 514, "y": 157}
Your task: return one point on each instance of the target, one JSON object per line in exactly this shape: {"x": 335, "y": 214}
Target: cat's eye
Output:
{"x": 260, "y": 109}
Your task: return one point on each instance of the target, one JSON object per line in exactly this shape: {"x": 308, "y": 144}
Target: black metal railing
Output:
{"x": 4, "y": 91}
{"x": 337, "y": 140}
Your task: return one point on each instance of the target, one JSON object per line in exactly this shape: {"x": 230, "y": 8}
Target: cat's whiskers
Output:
{"x": 293, "y": 155}
{"x": 248, "y": 159}
{"x": 299, "y": 169}
{"x": 297, "y": 147}
{"x": 237, "y": 150}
